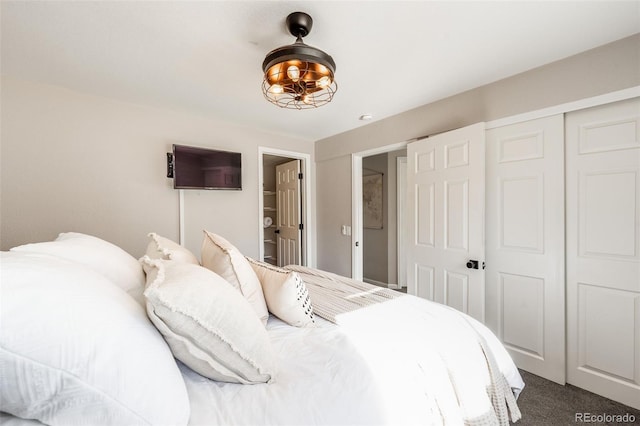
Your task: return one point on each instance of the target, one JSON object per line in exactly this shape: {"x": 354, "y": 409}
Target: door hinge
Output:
{"x": 301, "y": 227}
{"x": 300, "y": 176}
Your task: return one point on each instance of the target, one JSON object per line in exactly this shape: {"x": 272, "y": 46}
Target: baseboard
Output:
{"x": 374, "y": 282}
{"x": 391, "y": 286}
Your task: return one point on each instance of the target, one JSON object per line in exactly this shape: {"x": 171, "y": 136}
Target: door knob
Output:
{"x": 472, "y": 264}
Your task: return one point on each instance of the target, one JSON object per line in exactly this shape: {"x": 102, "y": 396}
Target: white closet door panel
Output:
{"x": 523, "y": 315}
{"x": 525, "y": 243}
{"x": 445, "y": 218}
{"x": 603, "y": 250}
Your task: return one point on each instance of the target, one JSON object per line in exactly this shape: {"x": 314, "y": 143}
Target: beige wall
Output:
{"x": 71, "y": 161}
{"x": 606, "y": 69}
{"x": 334, "y": 249}
{"x": 75, "y": 162}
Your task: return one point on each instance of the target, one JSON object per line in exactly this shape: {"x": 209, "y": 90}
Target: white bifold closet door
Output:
{"x": 603, "y": 250}
{"x": 525, "y": 243}
{"x": 445, "y": 218}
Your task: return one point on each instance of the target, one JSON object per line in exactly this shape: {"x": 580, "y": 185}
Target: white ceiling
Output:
{"x": 206, "y": 57}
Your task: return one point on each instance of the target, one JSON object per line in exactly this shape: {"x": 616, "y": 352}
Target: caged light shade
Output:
{"x": 298, "y": 76}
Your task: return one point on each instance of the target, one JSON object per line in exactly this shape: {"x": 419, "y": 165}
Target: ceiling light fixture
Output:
{"x": 298, "y": 76}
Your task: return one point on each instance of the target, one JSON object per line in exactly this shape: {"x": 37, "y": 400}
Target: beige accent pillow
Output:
{"x": 208, "y": 325}
{"x": 286, "y": 294}
{"x": 220, "y": 256}
{"x": 163, "y": 248}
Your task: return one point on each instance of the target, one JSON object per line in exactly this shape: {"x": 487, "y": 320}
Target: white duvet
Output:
{"x": 385, "y": 363}
{"x": 340, "y": 375}
{"x": 327, "y": 376}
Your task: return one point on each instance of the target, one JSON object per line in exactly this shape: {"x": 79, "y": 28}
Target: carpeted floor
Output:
{"x": 543, "y": 402}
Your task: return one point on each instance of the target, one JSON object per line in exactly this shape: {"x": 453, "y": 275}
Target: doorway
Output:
{"x": 283, "y": 207}
{"x": 376, "y": 229}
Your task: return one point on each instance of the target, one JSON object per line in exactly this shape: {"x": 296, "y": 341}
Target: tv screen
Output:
{"x": 201, "y": 168}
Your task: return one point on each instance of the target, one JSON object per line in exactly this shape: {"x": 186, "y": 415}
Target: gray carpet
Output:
{"x": 547, "y": 403}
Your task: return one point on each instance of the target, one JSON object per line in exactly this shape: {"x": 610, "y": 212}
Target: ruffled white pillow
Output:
{"x": 220, "y": 256}
{"x": 75, "y": 349}
{"x": 106, "y": 258}
{"x": 163, "y": 248}
{"x": 286, "y": 294}
{"x": 207, "y": 323}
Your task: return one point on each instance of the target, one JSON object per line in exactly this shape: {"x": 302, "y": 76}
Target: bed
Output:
{"x": 90, "y": 335}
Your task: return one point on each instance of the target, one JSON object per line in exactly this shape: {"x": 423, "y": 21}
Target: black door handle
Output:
{"x": 277, "y": 231}
{"x": 472, "y": 264}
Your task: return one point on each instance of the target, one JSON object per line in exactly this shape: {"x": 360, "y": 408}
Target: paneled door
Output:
{"x": 603, "y": 250}
{"x": 525, "y": 279}
{"x": 288, "y": 213}
{"x": 445, "y": 219}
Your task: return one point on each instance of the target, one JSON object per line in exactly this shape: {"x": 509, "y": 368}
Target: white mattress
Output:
{"x": 339, "y": 375}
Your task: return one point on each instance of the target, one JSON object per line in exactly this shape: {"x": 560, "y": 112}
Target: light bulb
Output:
{"x": 293, "y": 72}
{"x": 276, "y": 89}
{"x": 324, "y": 82}
{"x": 307, "y": 99}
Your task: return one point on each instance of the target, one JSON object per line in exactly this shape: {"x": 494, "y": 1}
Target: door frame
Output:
{"x": 308, "y": 232}
{"x": 356, "y": 203}
{"x": 401, "y": 201}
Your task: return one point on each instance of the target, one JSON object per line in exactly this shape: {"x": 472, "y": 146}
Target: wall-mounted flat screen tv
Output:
{"x": 202, "y": 168}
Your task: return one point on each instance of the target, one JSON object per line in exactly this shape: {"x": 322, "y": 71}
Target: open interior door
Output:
{"x": 445, "y": 218}
{"x": 288, "y": 231}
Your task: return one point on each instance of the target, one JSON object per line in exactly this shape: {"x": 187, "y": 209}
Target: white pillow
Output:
{"x": 163, "y": 248}
{"x": 76, "y": 350}
{"x": 209, "y": 326}
{"x": 286, "y": 294}
{"x": 106, "y": 258}
{"x": 220, "y": 256}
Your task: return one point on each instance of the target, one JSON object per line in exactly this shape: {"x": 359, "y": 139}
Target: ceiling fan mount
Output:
{"x": 299, "y": 24}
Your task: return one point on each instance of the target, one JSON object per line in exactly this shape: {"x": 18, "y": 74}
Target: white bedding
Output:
{"x": 352, "y": 295}
{"x": 340, "y": 375}
{"x": 320, "y": 376}
{"x": 385, "y": 358}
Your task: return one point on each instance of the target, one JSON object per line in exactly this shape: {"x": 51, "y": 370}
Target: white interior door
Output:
{"x": 288, "y": 213}
{"x": 525, "y": 279}
{"x": 603, "y": 250}
{"x": 445, "y": 199}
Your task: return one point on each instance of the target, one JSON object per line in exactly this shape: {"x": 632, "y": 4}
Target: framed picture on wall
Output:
{"x": 372, "y": 201}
